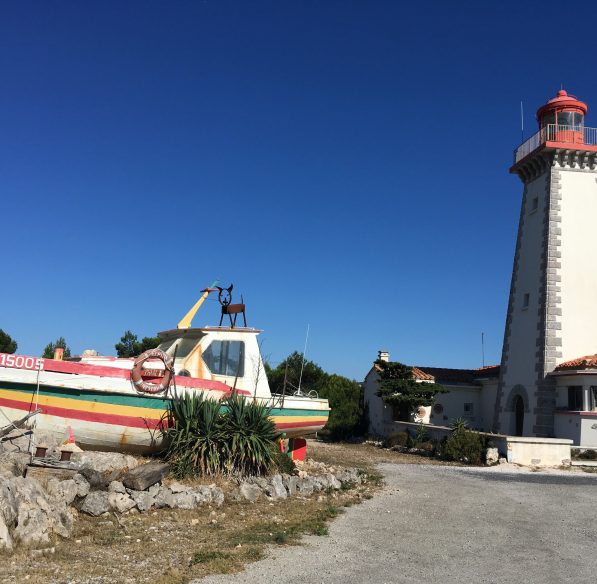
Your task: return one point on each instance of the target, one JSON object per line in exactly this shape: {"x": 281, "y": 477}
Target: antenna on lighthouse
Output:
{"x": 483, "y": 349}
{"x": 521, "y": 123}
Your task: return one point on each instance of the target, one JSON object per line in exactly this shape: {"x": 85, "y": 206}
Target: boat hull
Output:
{"x": 126, "y": 420}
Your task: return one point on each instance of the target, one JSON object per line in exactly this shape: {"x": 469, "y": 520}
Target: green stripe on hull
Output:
{"x": 113, "y": 398}
{"x": 140, "y": 401}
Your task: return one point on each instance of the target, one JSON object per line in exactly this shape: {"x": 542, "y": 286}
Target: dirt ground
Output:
{"x": 174, "y": 546}
{"x": 450, "y": 525}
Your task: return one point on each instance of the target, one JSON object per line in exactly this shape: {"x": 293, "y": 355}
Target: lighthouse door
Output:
{"x": 519, "y": 416}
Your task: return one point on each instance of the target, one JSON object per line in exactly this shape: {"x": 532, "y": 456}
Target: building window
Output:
{"x": 225, "y": 358}
{"x": 469, "y": 410}
{"x": 575, "y": 398}
{"x": 439, "y": 409}
{"x": 395, "y": 413}
{"x": 525, "y": 301}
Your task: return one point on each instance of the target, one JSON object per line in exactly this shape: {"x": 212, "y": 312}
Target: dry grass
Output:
{"x": 366, "y": 455}
{"x": 175, "y": 546}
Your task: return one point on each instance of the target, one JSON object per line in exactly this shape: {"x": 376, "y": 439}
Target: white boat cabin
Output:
{"x": 229, "y": 355}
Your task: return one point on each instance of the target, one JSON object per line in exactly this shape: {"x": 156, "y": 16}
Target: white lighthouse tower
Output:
{"x": 552, "y": 311}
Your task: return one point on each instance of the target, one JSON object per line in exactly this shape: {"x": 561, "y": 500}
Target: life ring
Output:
{"x": 146, "y": 386}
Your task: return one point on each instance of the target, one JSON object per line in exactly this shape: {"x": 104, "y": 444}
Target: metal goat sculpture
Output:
{"x": 232, "y": 310}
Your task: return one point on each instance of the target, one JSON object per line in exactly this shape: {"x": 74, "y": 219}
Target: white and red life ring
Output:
{"x": 137, "y": 372}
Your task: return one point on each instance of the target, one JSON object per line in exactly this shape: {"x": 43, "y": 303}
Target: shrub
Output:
{"x": 250, "y": 434}
{"x": 208, "y": 437}
{"x": 463, "y": 445}
{"x": 398, "y": 439}
{"x": 422, "y": 433}
{"x": 195, "y": 435}
{"x": 587, "y": 455}
{"x": 284, "y": 464}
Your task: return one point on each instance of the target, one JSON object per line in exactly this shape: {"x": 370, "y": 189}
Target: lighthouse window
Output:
{"x": 565, "y": 118}
{"x": 225, "y": 358}
{"x": 549, "y": 119}
{"x": 535, "y": 204}
{"x": 525, "y": 301}
{"x": 571, "y": 119}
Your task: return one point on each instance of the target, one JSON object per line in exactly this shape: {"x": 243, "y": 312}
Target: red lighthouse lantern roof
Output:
{"x": 562, "y": 102}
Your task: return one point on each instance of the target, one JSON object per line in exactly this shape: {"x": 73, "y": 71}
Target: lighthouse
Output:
{"x": 552, "y": 310}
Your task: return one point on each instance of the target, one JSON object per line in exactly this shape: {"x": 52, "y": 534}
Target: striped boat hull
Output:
{"x": 126, "y": 421}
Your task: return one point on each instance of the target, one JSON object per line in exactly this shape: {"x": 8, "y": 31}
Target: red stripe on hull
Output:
{"x": 114, "y": 419}
{"x": 119, "y": 373}
{"x": 300, "y": 424}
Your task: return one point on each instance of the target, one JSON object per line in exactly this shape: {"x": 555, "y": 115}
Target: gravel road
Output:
{"x": 450, "y": 524}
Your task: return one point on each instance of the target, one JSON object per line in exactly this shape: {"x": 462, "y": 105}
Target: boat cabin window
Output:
{"x": 225, "y": 358}
{"x": 182, "y": 347}
{"x": 185, "y": 347}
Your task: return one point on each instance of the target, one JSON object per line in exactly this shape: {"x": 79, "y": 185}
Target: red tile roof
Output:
{"x": 446, "y": 375}
{"x": 586, "y": 362}
{"x": 488, "y": 371}
{"x": 421, "y": 375}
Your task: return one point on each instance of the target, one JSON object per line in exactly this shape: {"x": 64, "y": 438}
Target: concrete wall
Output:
{"x": 522, "y": 361}
{"x": 524, "y": 451}
{"x": 488, "y": 395}
{"x": 521, "y": 357}
{"x": 529, "y": 451}
{"x": 579, "y": 262}
{"x": 452, "y": 404}
{"x": 379, "y": 414}
{"x": 580, "y": 426}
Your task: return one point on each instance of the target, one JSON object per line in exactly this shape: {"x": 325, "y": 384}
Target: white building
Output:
{"x": 471, "y": 395}
{"x": 543, "y": 388}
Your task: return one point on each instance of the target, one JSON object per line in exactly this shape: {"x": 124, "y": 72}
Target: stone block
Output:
{"x": 142, "y": 477}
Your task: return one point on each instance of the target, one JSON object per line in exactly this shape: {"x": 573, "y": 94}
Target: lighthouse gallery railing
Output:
{"x": 556, "y": 133}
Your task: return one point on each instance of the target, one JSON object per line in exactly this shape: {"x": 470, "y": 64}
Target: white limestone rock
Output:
{"x": 120, "y": 502}
{"x": 143, "y": 499}
{"x": 276, "y": 489}
{"x": 250, "y": 492}
{"x": 116, "y": 487}
{"x": 96, "y": 503}
{"x": 492, "y": 456}
{"x": 83, "y": 486}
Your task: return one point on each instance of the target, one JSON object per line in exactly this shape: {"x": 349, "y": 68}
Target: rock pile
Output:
{"x": 32, "y": 510}
{"x": 29, "y": 514}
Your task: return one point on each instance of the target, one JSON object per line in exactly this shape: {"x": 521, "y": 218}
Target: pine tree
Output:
{"x": 7, "y": 344}
{"x": 51, "y": 347}
{"x": 397, "y": 386}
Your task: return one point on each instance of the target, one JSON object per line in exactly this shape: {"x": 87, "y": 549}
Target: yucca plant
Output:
{"x": 251, "y": 435}
{"x": 204, "y": 436}
{"x": 194, "y": 435}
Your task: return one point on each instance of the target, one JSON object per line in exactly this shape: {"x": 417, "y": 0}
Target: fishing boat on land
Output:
{"x": 112, "y": 403}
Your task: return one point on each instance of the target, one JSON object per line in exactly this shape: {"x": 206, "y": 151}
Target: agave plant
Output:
{"x": 195, "y": 435}
{"x": 251, "y": 436}
{"x": 204, "y": 436}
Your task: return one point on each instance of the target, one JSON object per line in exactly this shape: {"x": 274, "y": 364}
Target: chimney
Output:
{"x": 383, "y": 356}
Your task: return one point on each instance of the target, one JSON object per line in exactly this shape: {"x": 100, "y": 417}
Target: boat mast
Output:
{"x": 303, "y": 363}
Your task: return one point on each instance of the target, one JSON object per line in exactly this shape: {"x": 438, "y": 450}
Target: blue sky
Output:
{"x": 344, "y": 163}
